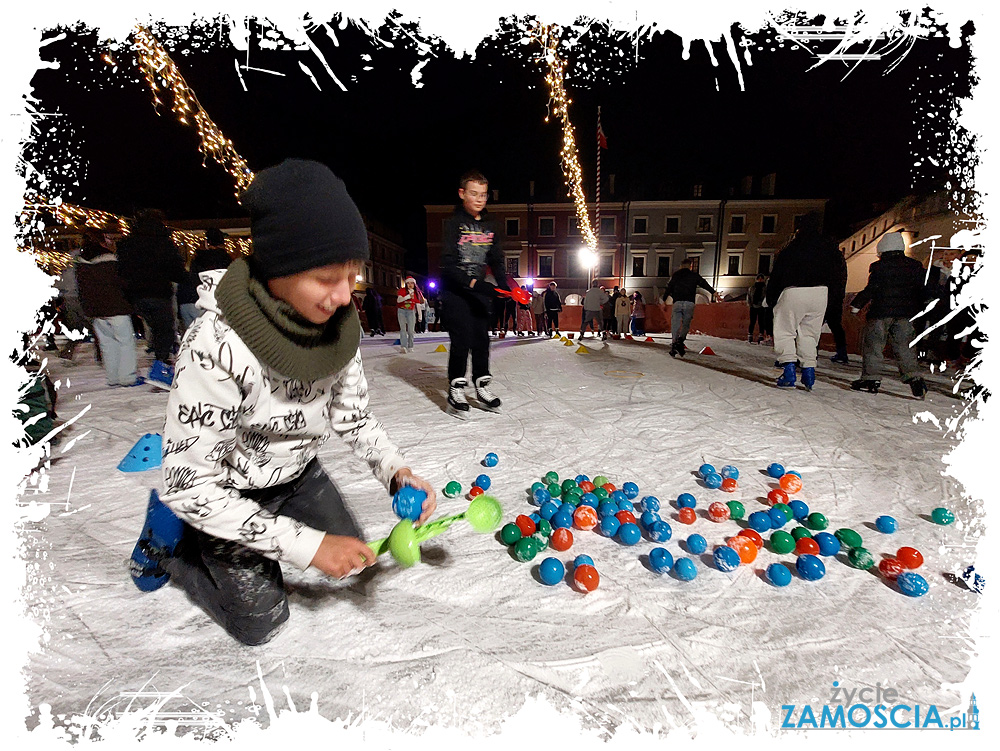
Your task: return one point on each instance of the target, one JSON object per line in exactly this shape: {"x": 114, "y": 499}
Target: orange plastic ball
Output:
{"x": 476, "y": 490}
{"x": 910, "y": 557}
{"x": 777, "y": 496}
{"x": 586, "y": 578}
{"x": 754, "y": 536}
{"x": 625, "y": 517}
{"x": 585, "y": 518}
{"x": 806, "y": 545}
{"x": 718, "y": 512}
{"x": 745, "y": 547}
{"x": 686, "y": 516}
{"x": 526, "y": 524}
{"x": 587, "y": 486}
{"x": 609, "y": 487}
{"x": 730, "y": 485}
{"x": 890, "y": 568}
{"x": 790, "y": 483}
{"x": 562, "y": 539}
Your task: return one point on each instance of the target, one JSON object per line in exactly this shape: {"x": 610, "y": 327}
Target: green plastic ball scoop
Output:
{"x": 483, "y": 515}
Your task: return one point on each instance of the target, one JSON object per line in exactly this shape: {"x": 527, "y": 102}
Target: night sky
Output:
{"x": 398, "y": 147}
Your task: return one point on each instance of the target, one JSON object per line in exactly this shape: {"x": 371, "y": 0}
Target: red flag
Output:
{"x": 601, "y": 140}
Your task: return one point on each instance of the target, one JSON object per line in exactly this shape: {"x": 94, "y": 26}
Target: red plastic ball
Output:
{"x": 777, "y": 496}
{"x": 562, "y": 539}
{"x": 890, "y": 568}
{"x": 625, "y": 517}
{"x": 475, "y": 490}
{"x": 686, "y": 516}
{"x": 609, "y": 487}
{"x": 910, "y": 557}
{"x": 745, "y": 547}
{"x": 586, "y": 578}
{"x": 790, "y": 483}
{"x": 585, "y": 518}
{"x": 718, "y": 512}
{"x": 526, "y": 524}
{"x": 806, "y": 545}
{"x": 587, "y": 486}
{"x": 730, "y": 485}
{"x": 752, "y": 535}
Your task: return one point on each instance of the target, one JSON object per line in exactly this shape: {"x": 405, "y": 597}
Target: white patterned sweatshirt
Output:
{"x": 233, "y": 423}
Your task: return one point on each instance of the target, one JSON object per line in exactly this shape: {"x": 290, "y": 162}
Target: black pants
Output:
{"x": 239, "y": 587}
{"x": 760, "y": 317}
{"x": 834, "y": 319}
{"x": 158, "y": 312}
{"x": 551, "y": 321}
{"x": 468, "y": 320}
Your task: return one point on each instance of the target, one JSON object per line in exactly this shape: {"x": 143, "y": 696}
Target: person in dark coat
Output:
{"x": 896, "y": 292}
{"x": 835, "y": 309}
{"x": 372, "y": 305}
{"x": 683, "y": 288}
{"x": 213, "y": 256}
{"x": 760, "y": 314}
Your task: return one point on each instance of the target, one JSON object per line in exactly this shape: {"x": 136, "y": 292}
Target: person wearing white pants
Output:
{"x": 798, "y": 320}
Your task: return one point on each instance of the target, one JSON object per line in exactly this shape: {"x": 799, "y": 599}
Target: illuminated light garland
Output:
{"x": 155, "y": 63}
{"x": 547, "y": 35}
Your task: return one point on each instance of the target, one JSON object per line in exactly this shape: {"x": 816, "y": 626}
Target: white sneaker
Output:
{"x": 410, "y": 350}
{"x": 402, "y": 350}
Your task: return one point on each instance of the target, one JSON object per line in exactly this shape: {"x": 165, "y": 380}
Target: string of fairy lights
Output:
{"x": 547, "y": 35}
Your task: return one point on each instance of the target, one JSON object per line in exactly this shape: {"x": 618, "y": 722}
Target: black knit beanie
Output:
{"x": 301, "y": 218}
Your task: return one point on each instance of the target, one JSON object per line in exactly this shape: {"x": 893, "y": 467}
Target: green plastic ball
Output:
{"x": 601, "y": 480}
{"x": 736, "y": 510}
{"x": 544, "y": 528}
{"x": 453, "y": 489}
{"x": 782, "y": 542}
{"x": 554, "y": 490}
{"x": 537, "y": 486}
{"x": 572, "y": 492}
{"x": 860, "y": 558}
{"x": 571, "y": 499}
{"x": 510, "y": 534}
{"x": 601, "y": 493}
{"x": 848, "y": 538}
{"x": 568, "y": 483}
{"x": 799, "y": 532}
{"x": 551, "y": 477}
{"x": 525, "y": 549}
{"x": 541, "y": 541}
{"x": 817, "y": 521}
{"x": 942, "y": 515}
{"x": 786, "y": 510}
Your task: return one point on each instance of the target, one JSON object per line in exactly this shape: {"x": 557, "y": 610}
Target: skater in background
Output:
{"x": 895, "y": 293}
{"x": 372, "y": 305}
{"x": 683, "y": 288}
{"x": 407, "y": 299}
{"x": 638, "y": 315}
{"x": 71, "y": 313}
{"x": 608, "y": 313}
{"x": 760, "y": 314}
{"x": 835, "y": 310}
{"x": 213, "y": 256}
{"x": 538, "y": 311}
{"x": 471, "y": 248}
{"x": 553, "y": 306}
{"x": 509, "y": 323}
{"x": 623, "y": 313}
{"x": 265, "y": 375}
{"x": 421, "y": 309}
{"x": 804, "y": 270}
{"x": 593, "y": 304}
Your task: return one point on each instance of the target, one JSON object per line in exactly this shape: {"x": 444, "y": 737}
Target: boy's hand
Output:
{"x": 405, "y": 477}
{"x": 342, "y": 556}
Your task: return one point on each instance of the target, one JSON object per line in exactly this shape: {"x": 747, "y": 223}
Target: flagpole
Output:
{"x": 598, "y": 192}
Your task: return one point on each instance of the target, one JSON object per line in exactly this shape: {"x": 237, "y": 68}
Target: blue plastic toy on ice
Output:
{"x": 828, "y": 544}
{"x": 775, "y": 470}
{"x": 714, "y": 480}
{"x": 540, "y": 496}
{"x": 696, "y": 544}
{"x": 726, "y": 559}
{"x": 660, "y": 560}
{"x": 625, "y": 505}
{"x": 631, "y": 490}
{"x": 610, "y": 526}
{"x": 799, "y": 509}
{"x": 685, "y": 569}
{"x": 629, "y": 533}
{"x": 591, "y": 500}
{"x": 686, "y": 500}
{"x": 491, "y": 460}
{"x": 607, "y": 508}
{"x": 659, "y": 531}
{"x": 568, "y": 508}
{"x": 618, "y": 496}
{"x": 583, "y": 560}
{"x": 535, "y": 518}
{"x": 407, "y": 503}
{"x": 885, "y": 524}
{"x": 729, "y": 472}
{"x": 484, "y": 482}
{"x": 810, "y": 567}
{"x": 777, "y": 517}
{"x": 912, "y": 584}
{"x": 649, "y": 503}
{"x": 547, "y": 510}
{"x": 778, "y": 575}
{"x": 648, "y": 519}
{"x": 561, "y": 520}
{"x": 147, "y": 453}
{"x": 581, "y": 478}
{"x": 705, "y": 470}
{"x": 551, "y": 571}
{"x": 759, "y": 521}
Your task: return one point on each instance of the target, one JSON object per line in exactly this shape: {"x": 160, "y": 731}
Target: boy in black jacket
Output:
{"x": 683, "y": 287}
{"x": 471, "y": 245}
{"x": 896, "y": 292}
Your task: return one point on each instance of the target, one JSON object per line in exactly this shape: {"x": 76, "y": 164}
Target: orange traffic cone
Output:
{"x": 648, "y": 339}
{"x": 706, "y": 351}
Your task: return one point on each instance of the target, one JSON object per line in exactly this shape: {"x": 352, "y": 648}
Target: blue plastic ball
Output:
{"x": 583, "y": 560}
{"x": 561, "y": 520}
{"x": 548, "y": 510}
{"x": 551, "y": 571}
{"x": 589, "y": 499}
{"x": 630, "y": 489}
{"x": 569, "y": 508}
{"x": 759, "y": 521}
{"x": 685, "y": 569}
{"x": 730, "y": 472}
{"x": 778, "y": 575}
{"x": 535, "y": 486}
{"x": 484, "y": 482}
{"x": 713, "y": 480}
{"x": 625, "y": 505}
{"x": 696, "y": 544}
{"x": 705, "y": 470}
{"x": 799, "y": 508}
{"x": 618, "y": 496}
{"x": 629, "y": 533}
{"x": 648, "y": 519}
{"x": 659, "y": 531}
{"x": 535, "y": 518}
{"x": 777, "y": 517}
{"x": 810, "y": 567}
{"x": 912, "y": 584}
{"x": 828, "y": 544}
{"x": 649, "y": 503}
{"x": 581, "y": 478}
{"x": 726, "y": 559}
{"x": 490, "y": 460}
{"x": 607, "y": 508}
{"x": 610, "y": 526}
{"x": 775, "y": 470}
{"x": 686, "y": 500}
{"x": 540, "y": 496}
{"x": 660, "y": 560}
{"x": 885, "y": 524}
{"x": 793, "y": 472}
{"x": 407, "y": 503}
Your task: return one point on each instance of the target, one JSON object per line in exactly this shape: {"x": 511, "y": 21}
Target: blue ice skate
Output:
{"x": 161, "y": 374}
{"x": 158, "y": 540}
{"x": 808, "y": 378}
{"x": 787, "y": 379}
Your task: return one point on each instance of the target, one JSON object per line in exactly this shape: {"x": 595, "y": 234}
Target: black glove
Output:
{"x": 485, "y": 289}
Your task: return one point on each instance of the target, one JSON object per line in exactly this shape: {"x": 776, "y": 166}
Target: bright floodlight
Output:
{"x": 529, "y": 282}
{"x": 432, "y": 285}
{"x": 359, "y": 278}
{"x": 588, "y": 258}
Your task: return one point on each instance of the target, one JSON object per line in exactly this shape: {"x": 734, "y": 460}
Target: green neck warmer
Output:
{"x": 278, "y": 336}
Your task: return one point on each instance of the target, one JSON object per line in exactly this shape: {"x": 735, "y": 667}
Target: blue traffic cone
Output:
{"x": 146, "y": 454}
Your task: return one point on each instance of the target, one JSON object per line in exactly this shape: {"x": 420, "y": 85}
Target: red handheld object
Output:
{"x": 519, "y": 294}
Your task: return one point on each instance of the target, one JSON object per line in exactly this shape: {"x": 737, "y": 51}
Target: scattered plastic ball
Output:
{"x": 778, "y": 517}
{"x": 554, "y": 490}
{"x": 729, "y": 485}
{"x": 660, "y": 531}
{"x": 848, "y": 538}
{"x": 562, "y": 520}
{"x": 649, "y": 503}
{"x": 590, "y": 500}
{"x": 810, "y": 567}
{"x": 660, "y": 560}
{"x": 526, "y": 525}
{"x": 510, "y": 533}
{"x": 544, "y": 527}
{"x": 525, "y": 549}
{"x": 912, "y": 584}
{"x": 752, "y": 535}
{"x": 600, "y": 481}
{"x": 714, "y": 481}
{"x": 625, "y": 517}
{"x": 547, "y": 510}
{"x": 585, "y": 518}
{"x": 777, "y": 496}
{"x": 785, "y": 509}
{"x": 816, "y": 520}
{"x": 778, "y": 575}
{"x": 583, "y": 560}
{"x": 568, "y": 508}
{"x": 587, "y": 486}
{"x": 631, "y": 490}
{"x": 718, "y": 512}
{"x": 828, "y": 544}
{"x": 551, "y": 477}
{"x": 726, "y": 559}
{"x": 541, "y": 541}
{"x": 736, "y": 510}
{"x": 890, "y": 568}
{"x": 759, "y": 521}
{"x": 568, "y": 484}
{"x": 625, "y": 505}
{"x": 942, "y": 515}
{"x": 729, "y": 472}
{"x": 551, "y": 571}
{"x": 910, "y": 557}
{"x": 705, "y": 470}
{"x": 775, "y": 470}
{"x": 885, "y": 524}
{"x": 648, "y": 519}
{"x": 687, "y": 516}
{"x": 536, "y": 519}
{"x": 540, "y": 496}
{"x": 581, "y": 478}
{"x": 607, "y": 508}
{"x": 484, "y": 482}
{"x": 573, "y": 496}
{"x": 696, "y": 544}
{"x": 686, "y": 500}
{"x": 629, "y": 533}
{"x": 860, "y": 558}
{"x": 790, "y": 483}
{"x": 453, "y": 489}
{"x": 799, "y": 510}
{"x": 586, "y": 578}
{"x": 744, "y": 548}
{"x": 408, "y": 501}
{"x": 800, "y": 532}
{"x": 782, "y": 542}
{"x": 793, "y": 472}
{"x": 610, "y": 487}
{"x": 491, "y": 460}
{"x": 806, "y": 546}
{"x": 685, "y": 569}
{"x": 475, "y": 490}
{"x": 609, "y": 526}
{"x": 601, "y": 493}
{"x": 562, "y": 539}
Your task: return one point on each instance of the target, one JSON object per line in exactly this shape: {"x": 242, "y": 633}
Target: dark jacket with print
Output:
{"x": 895, "y": 287}
{"x": 471, "y": 248}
